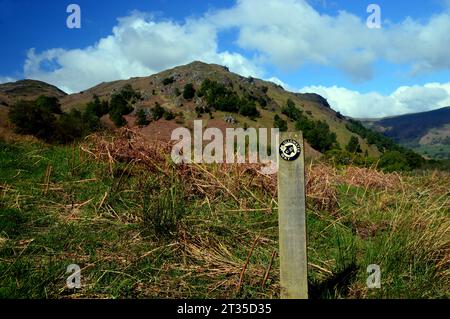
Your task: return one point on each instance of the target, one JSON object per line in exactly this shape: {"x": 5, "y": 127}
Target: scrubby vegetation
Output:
{"x": 317, "y": 133}
{"x": 382, "y": 142}
{"x": 121, "y": 104}
{"x": 44, "y": 119}
{"x": 220, "y": 98}
{"x": 97, "y": 107}
{"x": 158, "y": 112}
{"x": 168, "y": 80}
{"x": 353, "y": 145}
{"x": 189, "y": 91}
{"x": 279, "y": 123}
{"x": 141, "y": 118}
{"x": 141, "y": 227}
{"x": 291, "y": 111}
{"x": 395, "y": 157}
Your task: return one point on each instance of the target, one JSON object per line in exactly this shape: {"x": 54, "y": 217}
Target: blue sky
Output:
{"x": 321, "y": 46}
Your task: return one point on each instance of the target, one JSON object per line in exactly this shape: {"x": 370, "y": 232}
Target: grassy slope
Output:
{"x": 107, "y": 217}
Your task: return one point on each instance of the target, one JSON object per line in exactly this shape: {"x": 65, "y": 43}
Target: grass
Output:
{"x": 140, "y": 227}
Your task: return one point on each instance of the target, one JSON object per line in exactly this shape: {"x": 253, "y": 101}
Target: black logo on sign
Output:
{"x": 290, "y": 150}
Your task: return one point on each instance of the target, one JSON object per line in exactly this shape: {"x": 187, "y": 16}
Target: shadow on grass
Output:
{"x": 335, "y": 286}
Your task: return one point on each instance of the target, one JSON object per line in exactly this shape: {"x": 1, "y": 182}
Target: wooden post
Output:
{"x": 291, "y": 217}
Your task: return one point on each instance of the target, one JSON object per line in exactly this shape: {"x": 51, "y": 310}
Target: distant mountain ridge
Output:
{"x": 427, "y": 132}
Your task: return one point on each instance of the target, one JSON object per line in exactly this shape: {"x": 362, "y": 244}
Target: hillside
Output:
{"x": 272, "y": 95}
{"x": 428, "y": 132}
{"x": 27, "y": 90}
{"x": 269, "y": 96}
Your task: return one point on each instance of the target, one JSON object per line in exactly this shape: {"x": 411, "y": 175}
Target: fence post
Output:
{"x": 291, "y": 216}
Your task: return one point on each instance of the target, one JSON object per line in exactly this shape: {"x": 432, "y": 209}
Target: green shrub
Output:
{"x": 48, "y": 103}
{"x": 29, "y": 118}
{"x": 157, "y": 112}
{"x": 220, "y": 98}
{"x": 248, "y": 108}
{"x": 130, "y": 94}
{"x": 189, "y": 91}
{"x": 279, "y": 123}
{"x": 318, "y": 134}
{"x": 168, "y": 80}
{"x": 291, "y": 111}
{"x": 97, "y": 107}
{"x": 118, "y": 107}
{"x": 393, "y": 161}
{"x": 353, "y": 145}
{"x": 75, "y": 125}
{"x": 142, "y": 118}
{"x": 168, "y": 115}
{"x": 36, "y": 118}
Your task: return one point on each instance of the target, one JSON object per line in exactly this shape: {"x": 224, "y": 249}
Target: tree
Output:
{"x": 189, "y": 91}
{"x": 35, "y": 118}
{"x": 168, "y": 116}
{"x": 393, "y": 161}
{"x": 157, "y": 112}
{"x": 29, "y": 118}
{"x": 118, "y": 107}
{"x": 353, "y": 145}
{"x": 97, "y": 107}
{"x": 248, "y": 108}
{"x": 320, "y": 137}
{"x": 142, "y": 118}
{"x": 291, "y": 111}
{"x": 168, "y": 80}
{"x": 128, "y": 93}
{"x": 279, "y": 123}
{"x": 48, "y": 103}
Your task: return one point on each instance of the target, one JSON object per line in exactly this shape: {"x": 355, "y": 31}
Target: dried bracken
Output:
{"x": 209, "y": 180}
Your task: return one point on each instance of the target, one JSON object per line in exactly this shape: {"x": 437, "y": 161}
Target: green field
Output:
{"x": 435, "y": 151}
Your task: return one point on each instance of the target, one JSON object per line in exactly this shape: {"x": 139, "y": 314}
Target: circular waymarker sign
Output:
{"x": 290, "y": 150}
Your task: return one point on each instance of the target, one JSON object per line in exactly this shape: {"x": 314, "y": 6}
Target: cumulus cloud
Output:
{"x": 276, "y": 80}
{"x": 138, "y": 46}
{"x": 287, "y": 33}
{"x": 283, "y": 33}
{"x": 405, "y": 99}
{"x": 290, "y": 33}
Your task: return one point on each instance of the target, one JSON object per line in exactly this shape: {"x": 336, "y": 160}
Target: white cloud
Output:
{"x": 285, "y": 33}
{"x": 290, "y": 33}
{"x": 280, "y": 82}
{"x": 138, "y": 46}
{"x": 405, "y": 99}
